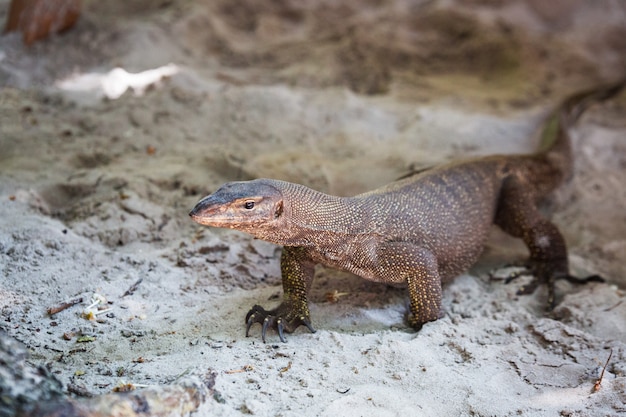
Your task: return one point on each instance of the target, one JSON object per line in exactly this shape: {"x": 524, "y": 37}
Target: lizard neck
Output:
{"x": 313, "y": 218}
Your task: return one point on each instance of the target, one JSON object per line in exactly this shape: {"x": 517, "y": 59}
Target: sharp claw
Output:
{"x": 253, "y": 311}
{"x": 266, "y": 323}
{"x": 515, "y": 275}
{"x": 594, "y": 278}
{"x": 279, "y": 326}
{"x": 528, "y": 289}
{"x": 307, "y": 323}
{"x": 249, "y": 322}
{"x": 249, "y": 315}
{"x": 576, "y": 280}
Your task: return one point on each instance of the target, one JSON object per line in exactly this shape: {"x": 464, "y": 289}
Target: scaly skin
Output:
{"x": 419, "y": 232}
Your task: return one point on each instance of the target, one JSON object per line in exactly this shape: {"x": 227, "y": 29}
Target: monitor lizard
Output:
{"x": 419, "y": 231}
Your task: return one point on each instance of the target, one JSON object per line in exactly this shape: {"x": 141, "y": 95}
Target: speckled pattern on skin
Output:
{"x": 419, "y": 231}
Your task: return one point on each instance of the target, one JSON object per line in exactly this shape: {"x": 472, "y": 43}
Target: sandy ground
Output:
{"x": 340, "y": 96}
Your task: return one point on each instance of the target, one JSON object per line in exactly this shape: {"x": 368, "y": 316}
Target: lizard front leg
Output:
{"x": 418, "y": 268}
{"x": 297, "y": 273}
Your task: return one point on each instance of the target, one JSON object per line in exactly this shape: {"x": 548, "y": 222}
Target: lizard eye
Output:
{"x": 248, "y": 205}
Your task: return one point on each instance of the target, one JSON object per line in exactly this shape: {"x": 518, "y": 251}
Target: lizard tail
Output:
{"x": 555, "y": 145}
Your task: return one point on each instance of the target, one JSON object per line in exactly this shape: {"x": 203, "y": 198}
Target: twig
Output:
{"x": 64, "y": 306}
{"x": 133, "y": 288}
{"x": 596, "y": 386}
{"x": 246, "y": 368}
{"x": 614, "y": 306}
{"x": 285, "y": 369}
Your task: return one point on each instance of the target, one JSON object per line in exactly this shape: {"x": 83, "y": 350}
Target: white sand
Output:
{"x": 94, "y": 195}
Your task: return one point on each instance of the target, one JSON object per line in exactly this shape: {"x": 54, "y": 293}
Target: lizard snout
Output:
{"x": 204, "y": 208}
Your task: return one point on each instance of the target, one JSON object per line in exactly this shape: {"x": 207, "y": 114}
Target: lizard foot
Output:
{"x": 546, "y": 273}
{"x": 416, "y": 323}
{"x": 496, "y": 273}
{"x": 282, "y": 318}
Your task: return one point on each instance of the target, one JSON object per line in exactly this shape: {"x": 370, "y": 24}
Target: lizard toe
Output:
{"x": 528, "y": 288}
{"x": 256, "y": 314}
{"x": 521, "y": 266}
{"x": 414, "y": 323}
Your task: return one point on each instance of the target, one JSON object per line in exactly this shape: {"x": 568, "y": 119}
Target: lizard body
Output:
{"x": 420, "y": 231}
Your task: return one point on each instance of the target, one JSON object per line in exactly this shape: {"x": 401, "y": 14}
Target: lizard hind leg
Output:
{"x": 518, "y": 215}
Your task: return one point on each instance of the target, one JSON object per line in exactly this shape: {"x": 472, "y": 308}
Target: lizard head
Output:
{"x": 249, "y": 206}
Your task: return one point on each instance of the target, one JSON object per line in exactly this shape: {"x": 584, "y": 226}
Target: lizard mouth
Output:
{"x": 210, "y": 220}
{"x": 206, "y": 221}
{"x": 208, "y": 212}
